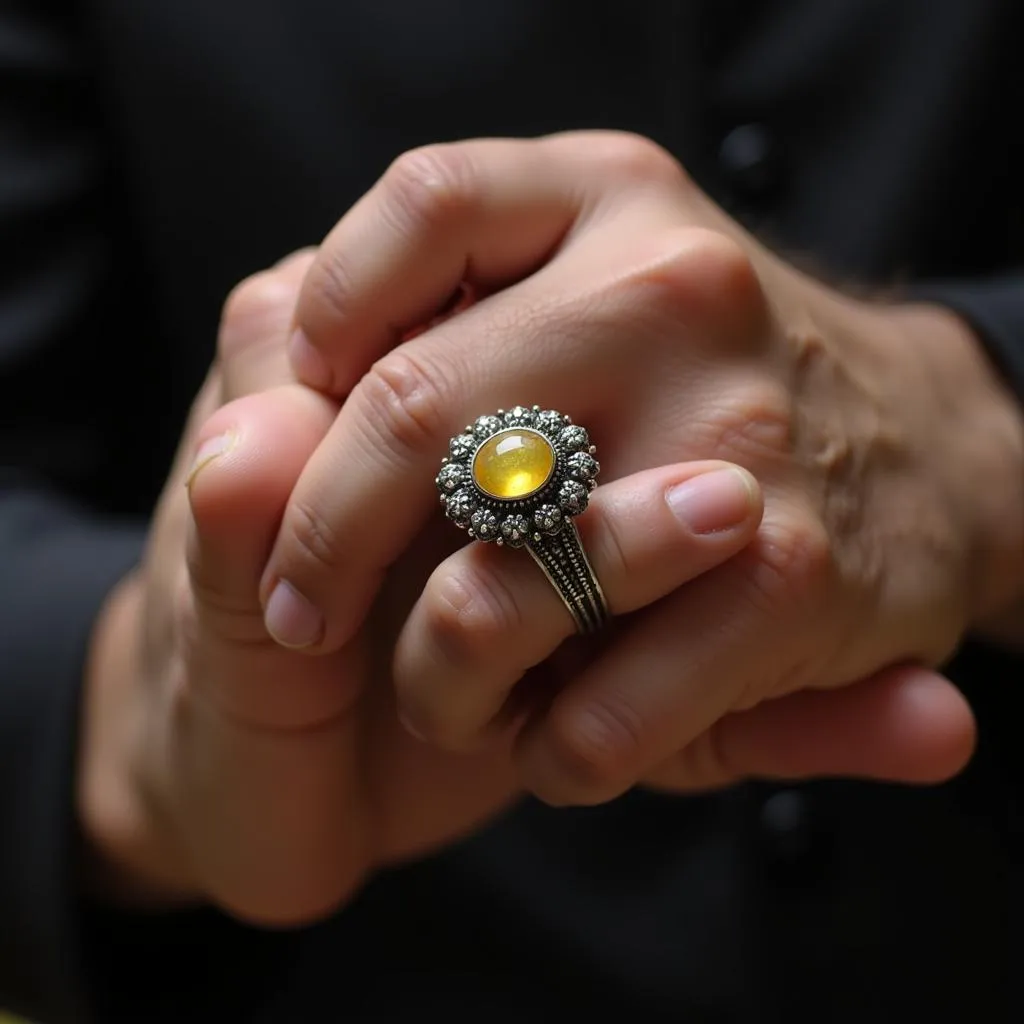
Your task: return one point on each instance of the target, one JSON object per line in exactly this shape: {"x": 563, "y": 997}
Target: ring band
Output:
{"x": 518, "y": 477}
{"x": 566, "y": 565}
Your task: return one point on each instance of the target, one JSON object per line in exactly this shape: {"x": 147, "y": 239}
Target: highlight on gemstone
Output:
{"x": 513, "y": 464}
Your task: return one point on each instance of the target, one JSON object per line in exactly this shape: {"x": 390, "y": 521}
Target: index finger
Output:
{"x": 368, "y": 489}
{"x": 486, "y": 212}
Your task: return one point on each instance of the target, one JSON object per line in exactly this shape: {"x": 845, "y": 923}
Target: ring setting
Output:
{"x": 517, "y": 478}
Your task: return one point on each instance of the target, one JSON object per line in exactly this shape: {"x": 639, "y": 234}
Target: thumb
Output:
{"x": 262, "y": 773}
{"x": 903, "y": 724}
{"x": 248, "y": 456}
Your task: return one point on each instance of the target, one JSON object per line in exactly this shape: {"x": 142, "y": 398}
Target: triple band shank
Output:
{"x": 566, "y": 565}
{"x": 517, "y": 478}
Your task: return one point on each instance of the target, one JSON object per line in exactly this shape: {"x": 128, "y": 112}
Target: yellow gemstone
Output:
{"x": 513, "y": 464}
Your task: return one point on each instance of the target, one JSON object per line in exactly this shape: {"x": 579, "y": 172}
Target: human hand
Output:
{"x": 217, "y": 766}
{"x": 617, "y": 292}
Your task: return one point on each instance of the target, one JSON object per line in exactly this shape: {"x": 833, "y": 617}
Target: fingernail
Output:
{"x": 715, "y": 501}
{"x": 307, "y": 362}
{"x": 212, "y": 448}
{"x": 291, "y": 619}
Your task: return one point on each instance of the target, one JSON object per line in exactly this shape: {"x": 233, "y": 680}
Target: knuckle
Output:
{"x": 595, "y": 745}
{"x": 632, "y": 158}
{"x": 429, "y": 186}
{"x": 702, "y": 275}
{"x": 258, "y": 300}
{"x": 313, "y": 542}
{"x": 794, "y": 565}
{"x": 297, "y": 258}
{"x": 469, "y": 613}
{"x": 403, "y": 404}
{"x": 726, "y": 268}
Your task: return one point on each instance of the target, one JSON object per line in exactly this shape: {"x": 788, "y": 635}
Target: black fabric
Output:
{"x": 58, "y": 567}
{"x": 151, "y": 155}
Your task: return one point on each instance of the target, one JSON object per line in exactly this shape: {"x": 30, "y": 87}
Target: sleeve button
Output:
{"x": 785, "y": 822}
{"x": 750, "y": 158}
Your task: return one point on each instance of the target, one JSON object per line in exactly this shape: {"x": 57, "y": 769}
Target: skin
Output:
{"x": 248, "y": 750}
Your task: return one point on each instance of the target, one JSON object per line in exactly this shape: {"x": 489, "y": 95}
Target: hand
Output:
{"x": 216, "y": 765}
{"x": 617, "y": 292}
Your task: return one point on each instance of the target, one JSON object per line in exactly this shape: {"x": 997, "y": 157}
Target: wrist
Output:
{"x": 125, "y": 859}
{"x": 977, "y": 437}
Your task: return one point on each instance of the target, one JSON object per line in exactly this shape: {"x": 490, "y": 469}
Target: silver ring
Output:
{"x": 518, "y": 478}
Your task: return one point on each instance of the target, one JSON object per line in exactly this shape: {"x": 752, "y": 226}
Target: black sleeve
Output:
{"x": 62, "y": 546}
{"x": 57, "y": 567}
{"x": 87, "y": 429}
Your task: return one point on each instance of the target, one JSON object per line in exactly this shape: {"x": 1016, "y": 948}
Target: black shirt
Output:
{"x": 151, "y": 155}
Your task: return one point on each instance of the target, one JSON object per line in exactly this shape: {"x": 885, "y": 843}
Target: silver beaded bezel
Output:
{"x": 545, "y": 511}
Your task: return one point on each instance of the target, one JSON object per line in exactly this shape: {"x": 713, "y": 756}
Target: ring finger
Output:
{"x": 487, "y": 616}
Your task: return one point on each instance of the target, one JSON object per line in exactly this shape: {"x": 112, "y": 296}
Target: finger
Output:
{"x": 252, "y": 341}
{"x": 486, "y": 615}
{"x": 251, "y": 358}
{"x": 904, "y": 724}
{"x": 261, "y": 738}
{"x": 249, "y": 455}
{"x": 367, "y": 491}
{"x": 489, "y": 211}
{"x": 737, "y": 635}
{"x": 251, "y": 354}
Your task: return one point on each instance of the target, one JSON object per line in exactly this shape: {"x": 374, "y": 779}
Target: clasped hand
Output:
{"x": 806, "y": 500}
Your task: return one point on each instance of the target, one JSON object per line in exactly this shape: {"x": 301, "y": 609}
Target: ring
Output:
{"x": 518, "y": 478}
